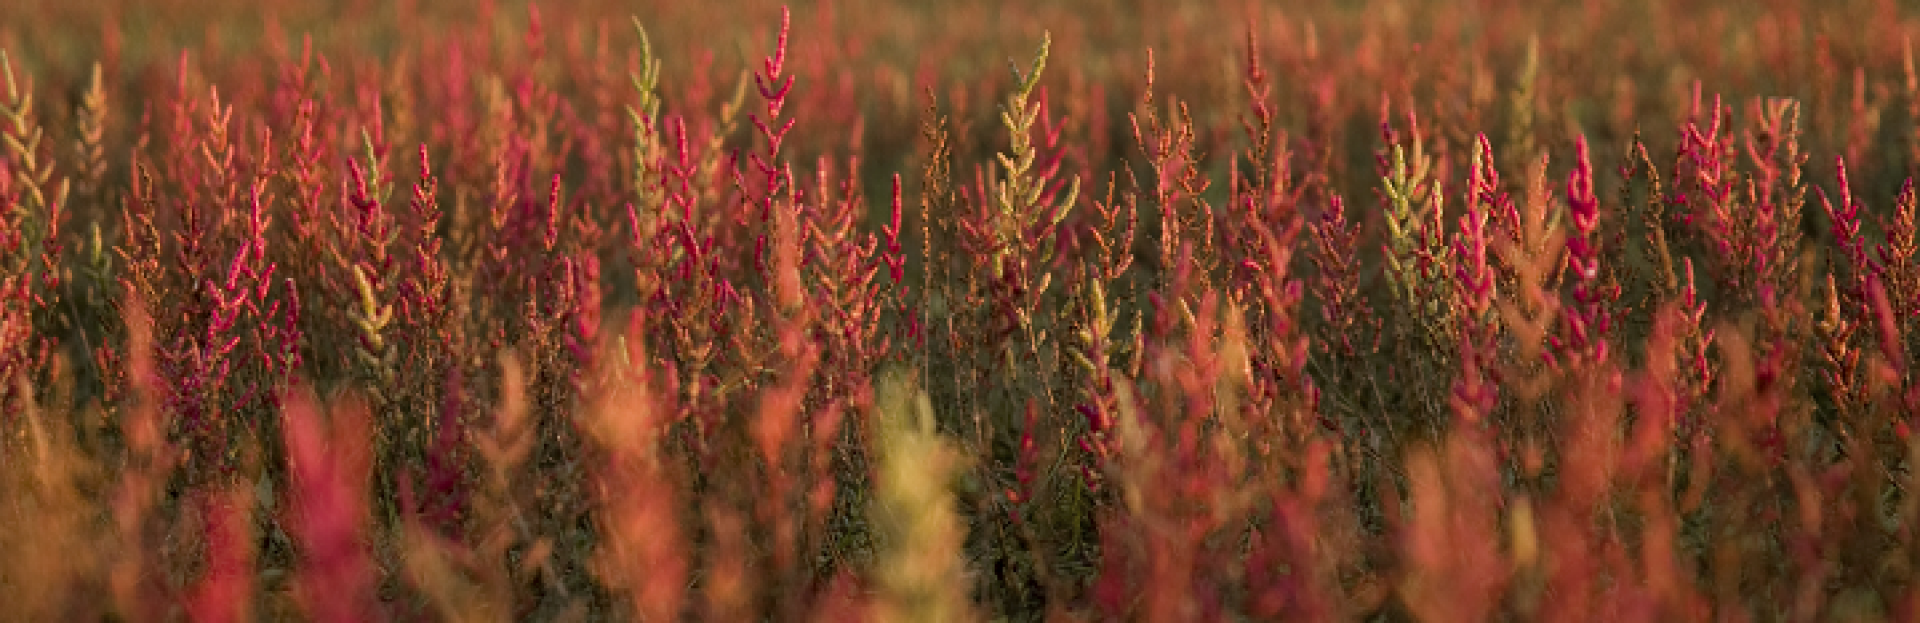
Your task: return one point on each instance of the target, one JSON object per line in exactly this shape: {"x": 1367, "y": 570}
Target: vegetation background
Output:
{"x": 871, "y": 310}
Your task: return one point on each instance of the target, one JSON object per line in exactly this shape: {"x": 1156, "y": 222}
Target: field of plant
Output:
{"x": 1063, "y": 310}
